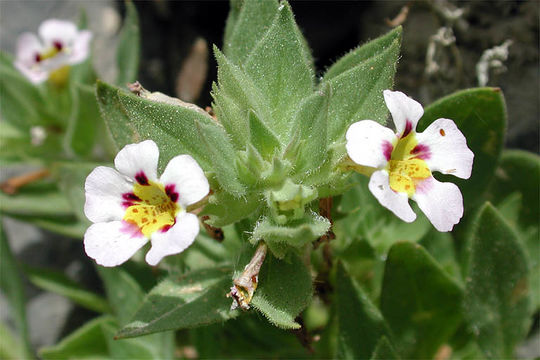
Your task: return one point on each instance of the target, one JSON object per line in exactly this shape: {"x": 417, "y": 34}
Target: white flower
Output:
{"x": 401, "y": 163}
{"x": 130, "y": 205}
{"x": 59, "y": 44}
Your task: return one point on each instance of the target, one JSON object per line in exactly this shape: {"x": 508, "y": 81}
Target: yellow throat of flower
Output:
{"x": 152, "y": 208}
{"x": 404, "y": 168}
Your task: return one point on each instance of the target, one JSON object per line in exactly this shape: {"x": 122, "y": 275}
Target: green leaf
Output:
{"x": 114, "y": 115}
{"x": 360, "y": 324}
{"x": 11, "y": 347}
{"x": 362, "y": 53}
{"x": 39, "y": 199}
{"x": 176, "y": 129}
{"x": 384, "y": 350}
{"x": 123, "y": 292}
{"x": 13, "y": 289}
{"x": 155, "y": 346}
{"x": 282, "y": 69}
{"x": 440, "y": 245}
{"x": 58, "y": 283}
{"x": 419, "y": 300}
{"x": 128, "y": 50}
{"x": 357, "y": 83}
{"x": 220, "y": 153}
{"x": 247, "y": 23}
{"x": 67, "y": 226}
{"x": 87, "y": 342}
{"x": 179, "y": 302}
{"x": 84, "y": 120}
{"x": 518, "y": 171}
{"x": 262, "y": 138}
{"x": 311, "y": 123}
{"x": 367, "y": 219}
{"x": 497, "y": 305}
{"x": 236, "y": 94}
{"x": 223, "y": 208}
{"x": 284, "y": 290}
{"x": 21, "y": 101}
{"x": 296, "y": 233}
{"x": 480, "y": 114}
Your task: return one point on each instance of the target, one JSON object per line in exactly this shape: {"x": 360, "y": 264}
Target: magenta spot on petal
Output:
{"x": 166, "y": 228}
{"x": 387, "y": 150}
{"x": 424, "y": 186}
{"x": 130, "y": 197}
{"x": 141, "y": 178}
{"x": 58, "y": 45}
{"x": 408, "y": 128}
{"x": 37, "y": 57}
{"x": 131, "y": 229}
{"x": 127, "y": 204}
{"x": 171, "y": 192}
{"x": 421, "y": 152}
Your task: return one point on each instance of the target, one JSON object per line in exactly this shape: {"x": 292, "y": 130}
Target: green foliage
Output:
{"x": 357, "y": 82}
{"x": 179, "y": 302}
{"x": 360, "y": 323}
{"x": 296, "y": 233}
{"x": 12, "y": 287}
{"x": 248, "y": 21}
{"x": 176, "y": 129}
{"x": 284, "y": 291}
{"x": 364, "y": 218}
{"x": 40, "y": 199}
{"x": 83, "y": 123}
{"x": 281, "y": 67}
{"x": 128, "y": 50}
{"x": 419, "y": 300}
{"x": 480, "y": 114}
{"x": 384, "y": 350}
{"x": 497, "y": 305}
{"x": 86, "y": 342}
{"x": 59, "y": 283}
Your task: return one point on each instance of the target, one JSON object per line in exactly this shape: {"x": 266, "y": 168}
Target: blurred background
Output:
{"x": 447, "y": 45}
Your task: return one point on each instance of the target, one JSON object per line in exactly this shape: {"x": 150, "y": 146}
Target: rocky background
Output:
{"x": 444, "y": 42}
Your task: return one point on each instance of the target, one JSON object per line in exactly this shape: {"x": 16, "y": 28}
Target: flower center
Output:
{"x": 51, "y": 52}
{"x": 151, "y": 207}
{"x": 406, "y": 168}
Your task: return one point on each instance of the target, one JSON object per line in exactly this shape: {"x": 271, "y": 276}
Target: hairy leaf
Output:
{"x": 179, "y": 302}
{"x": 284, "y": 290}
{"x": 360, "y": 324}
{"x": 497, "y": 305}
{"x": 419, "y": 300}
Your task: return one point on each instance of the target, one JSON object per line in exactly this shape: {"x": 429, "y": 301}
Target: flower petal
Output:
{"x": 398, "y": 203}
{"x": 81, "y": 47}
{"x": 28, "y": 46}
{"x": 136, "y": 159}
{"x": 441, "y": 202}
{"x": 104, "y": 188}
{"x": 405, "y": 111}
{"x": 369, "y": 143}
{"x": 36, "y": 74}
{"x": 187, "y": 179}
{"x": 175, "y": 240}
{"x": 446, "y": 149}
{"x": 112, "y": 243}
{"x": 57, "y": 30}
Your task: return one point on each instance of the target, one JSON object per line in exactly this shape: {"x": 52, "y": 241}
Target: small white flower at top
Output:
{"x": 130, "y": 206}
{"x": 401, "y": 163}
{"x": 60, "y": 44}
